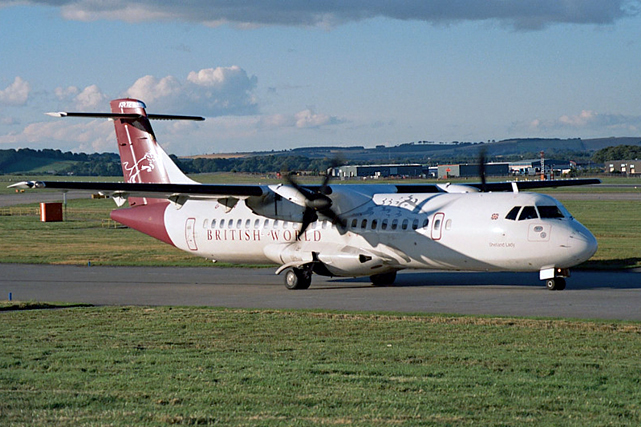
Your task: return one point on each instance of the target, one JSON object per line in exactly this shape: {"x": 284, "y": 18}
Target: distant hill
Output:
{"x": 47, "y": 161}
{"x": 422, "y": 152}
{"x": 28, "y": 161}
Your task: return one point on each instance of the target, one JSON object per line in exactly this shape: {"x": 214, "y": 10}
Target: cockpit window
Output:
{"x": 511, "y": 215}
{"x": 528, "y": 212}
{"x": 550, "y": 212}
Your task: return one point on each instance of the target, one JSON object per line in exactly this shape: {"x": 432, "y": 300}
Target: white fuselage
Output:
{"x": 453, "y": 231}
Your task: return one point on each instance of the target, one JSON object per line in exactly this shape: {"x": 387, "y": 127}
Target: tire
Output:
{"x": 297, "y": 278}
{"x": 556, "y": 284}
{"x": 384, "y": 279}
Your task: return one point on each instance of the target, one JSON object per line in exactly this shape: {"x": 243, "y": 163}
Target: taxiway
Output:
{"x": 590, "y": 294}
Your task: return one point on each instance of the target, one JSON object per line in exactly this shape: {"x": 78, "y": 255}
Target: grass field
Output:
{"x": 160, "y": 366}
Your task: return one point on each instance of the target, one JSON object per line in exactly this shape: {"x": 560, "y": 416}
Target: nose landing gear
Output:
{"x": 555, "y": 284}
{"x": 554, "y": 278}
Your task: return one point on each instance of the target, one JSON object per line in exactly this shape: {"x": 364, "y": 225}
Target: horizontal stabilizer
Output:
{"x": 125, "y": 116}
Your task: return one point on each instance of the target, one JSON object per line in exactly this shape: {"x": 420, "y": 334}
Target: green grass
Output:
{"x": 617, "y": 227}
{"x": 124, "y": 366}
{"x": 82, "y": 239}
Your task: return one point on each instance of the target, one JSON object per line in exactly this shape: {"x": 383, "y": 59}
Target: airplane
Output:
{"x": 344, "y": 230}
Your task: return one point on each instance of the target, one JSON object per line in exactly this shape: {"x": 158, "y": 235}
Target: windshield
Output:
{"x": 550, "y": 212}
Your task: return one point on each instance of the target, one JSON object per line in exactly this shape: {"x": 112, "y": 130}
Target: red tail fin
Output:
{"x": 142, "y": 159}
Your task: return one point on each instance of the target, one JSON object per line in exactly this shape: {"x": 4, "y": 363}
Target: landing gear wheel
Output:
{"x": 383, "y": 279}
{"x": 298, "y": 278}
{"x": 556, "y": 284}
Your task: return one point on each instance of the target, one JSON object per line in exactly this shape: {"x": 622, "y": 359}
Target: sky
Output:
{"x": 273, "y": 75}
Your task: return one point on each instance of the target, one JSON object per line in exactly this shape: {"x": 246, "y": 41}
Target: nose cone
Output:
{"x": 582, "y": 243}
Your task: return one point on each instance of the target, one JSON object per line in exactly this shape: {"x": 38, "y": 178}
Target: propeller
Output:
{"x": 482, "y": 159}
{"x": 317, "y": 201}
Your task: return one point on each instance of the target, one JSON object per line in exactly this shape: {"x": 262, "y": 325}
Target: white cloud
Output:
{"x": 90, "y": 98}
{"x": 211, "y": 92}
{"x": 16, "y": 93}
{"x": 520, "y": 14}
{"x": 66, "y": 93}
{"x": 86, "y": 136}
{"x": 587, "y": 121}
{"x": 150, "y": 89}
{"x": 309, "y": 119}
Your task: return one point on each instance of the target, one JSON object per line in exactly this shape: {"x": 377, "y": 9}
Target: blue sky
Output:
{"x": 276, "y": 75}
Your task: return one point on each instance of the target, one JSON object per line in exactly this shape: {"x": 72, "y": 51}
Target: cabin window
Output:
{"x": 266, "y": 223}
{"x": 437, "y": 224}
{"x": 528, "y": 212}
{"x": 275, "y": 223}
{"x": 426, "y": 222}
{"x": 257, "y": 223}
{"x": 213, "y": 223}
{"x": 415, "y": 224}
{"x": 354, "y": 223}
{"x": 374, "y": 224}
{"x": 239, "y": 224}
{"x": 394, "y": 224}
{"x": 550, "y": 212}
{"x": 230, "y": 223}
{"x": 448, "y": 224}
{"x": 405, "y": 223}
{"x": 222, "y": 223}
{"x": 511, "y": 215}
{"x": 384, "y": 224}
{"x": 205, "y": 223}
{"x": 364, "y": 224}
{"x": 247, "y": 223}
{"x": 285, "y": 224}
{"x": 324, "y": 225}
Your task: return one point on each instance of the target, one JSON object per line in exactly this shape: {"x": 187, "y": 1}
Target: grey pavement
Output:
{"x": 589, "y": 295}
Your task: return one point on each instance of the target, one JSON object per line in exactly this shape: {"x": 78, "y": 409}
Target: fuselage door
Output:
{"x": 437, "y": 225}
{"x": 190, "y": 234}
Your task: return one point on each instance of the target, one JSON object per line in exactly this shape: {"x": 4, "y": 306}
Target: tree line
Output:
{"x": 108, "y": 164}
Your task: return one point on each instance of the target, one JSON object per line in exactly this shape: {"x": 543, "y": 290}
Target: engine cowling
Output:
{"x": 330, "y": 260}
{"x": 351, "y": 261}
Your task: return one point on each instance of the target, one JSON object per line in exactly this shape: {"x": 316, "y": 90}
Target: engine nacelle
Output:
{"x": 329, "y": 260}
{"x": 351, "y": 261}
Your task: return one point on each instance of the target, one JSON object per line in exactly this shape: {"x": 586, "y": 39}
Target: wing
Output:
{"x": 176, "y": 192}
{"x": 493, "y": 186}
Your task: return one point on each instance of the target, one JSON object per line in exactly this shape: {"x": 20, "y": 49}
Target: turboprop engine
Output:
{"x": 331, "y": 260}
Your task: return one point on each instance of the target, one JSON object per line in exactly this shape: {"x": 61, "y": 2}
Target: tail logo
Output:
{"x": 146, "y": 164}
{"x": 131, "y": 104}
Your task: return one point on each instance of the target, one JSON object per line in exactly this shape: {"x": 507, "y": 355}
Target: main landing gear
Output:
{"x": 555, "y": 284}
{"x": 383, "y": 279}
{"x": 298, "y": 278}
{"x": 301, "y": 278}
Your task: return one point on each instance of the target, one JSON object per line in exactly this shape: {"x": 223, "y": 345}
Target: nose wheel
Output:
{"x": 555, "y": 284}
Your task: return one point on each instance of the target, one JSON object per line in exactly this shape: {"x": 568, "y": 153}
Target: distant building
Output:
{"x": 533, "y": 167}
{"x": 625, "y": 167}
{"x": 378, "y": 171}
{"x": 472, "y": 170}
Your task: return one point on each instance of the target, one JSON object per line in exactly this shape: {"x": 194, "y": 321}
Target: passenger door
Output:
{"x": 437, "y": 225}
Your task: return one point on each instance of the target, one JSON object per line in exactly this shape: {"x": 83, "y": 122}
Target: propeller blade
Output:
{"x": 335, "y": 162}
{"x": 317, "y": 201}
{"x": 309, "y": 216}
{"x": 482, "y": 170}
{"x": 336, "y": 219}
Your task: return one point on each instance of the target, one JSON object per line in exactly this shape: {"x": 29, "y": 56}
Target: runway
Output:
{"x": 589, "y": 295}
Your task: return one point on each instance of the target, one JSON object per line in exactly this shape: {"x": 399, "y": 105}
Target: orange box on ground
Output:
{"x": 50, "y": 212}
